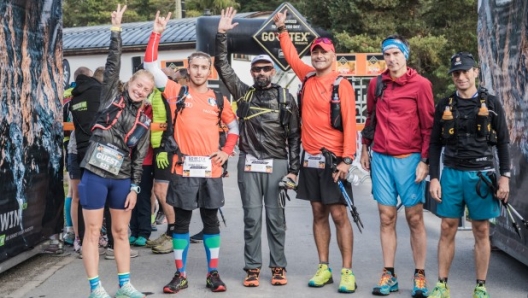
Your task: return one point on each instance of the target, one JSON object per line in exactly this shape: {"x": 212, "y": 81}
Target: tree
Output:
{"x": 214, "y": 7}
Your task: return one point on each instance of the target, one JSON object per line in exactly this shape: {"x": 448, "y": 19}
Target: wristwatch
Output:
{"x": 135, "y": 188}
{"x": 425, "y": 160}
{"x": 347, "y": 160}
{"x": 506, "y": 174}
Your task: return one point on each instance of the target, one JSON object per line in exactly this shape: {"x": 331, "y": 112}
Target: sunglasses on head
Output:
{"x": 463, "y": 54}
{"x": 322, "y": 40}
{"x": 266, "y": 68}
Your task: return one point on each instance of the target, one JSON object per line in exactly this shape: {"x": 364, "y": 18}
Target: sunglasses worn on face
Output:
{"x": 257, "y": 69}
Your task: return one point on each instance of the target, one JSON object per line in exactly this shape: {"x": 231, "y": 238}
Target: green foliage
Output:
{"x": 214, "y": 6}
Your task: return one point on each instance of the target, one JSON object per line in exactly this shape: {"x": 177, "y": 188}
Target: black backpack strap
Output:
{"x": 180, "y": 103}
{"x": 300, "y": 94}
{"x": 220, "y": 104}
{"x": 335, "y": 88}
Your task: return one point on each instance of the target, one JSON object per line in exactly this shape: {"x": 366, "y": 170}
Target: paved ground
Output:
{"x": 64, "y": 277}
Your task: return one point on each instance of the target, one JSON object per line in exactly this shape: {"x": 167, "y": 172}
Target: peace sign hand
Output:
{"x": 160, "y": 23}
{"x": 226, "y": 20}
{"x": 117, "y": 15}
{"x": 280, "y": 18}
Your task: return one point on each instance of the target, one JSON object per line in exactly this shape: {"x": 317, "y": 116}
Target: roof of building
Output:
{"x": 180, "y": 33}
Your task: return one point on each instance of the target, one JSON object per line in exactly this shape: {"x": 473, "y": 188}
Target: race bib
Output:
{"x": 197, "y": 166}
{"x": 254, "y": 164}
{"x": 314, "y": 161}
{"x": 107, "y": 157}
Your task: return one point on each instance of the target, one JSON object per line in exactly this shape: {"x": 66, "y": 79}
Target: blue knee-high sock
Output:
{"x": 94, "y": 282}
{"x": 180, "y": 244}
{"x": 212, "y": 250}
{"x": 67, "y": 212}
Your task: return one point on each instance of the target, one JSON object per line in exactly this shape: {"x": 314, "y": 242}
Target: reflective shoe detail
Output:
{"x": 128, "y": 291}
{"x": 132, "y": 239}
{"x": 322, "y": 277}
{"x": 440, "y": 291}
{"x": 99, "y": 292}
{"x": 197, "y": 238}
{"x": 214, "y": 282}
{"x": 278, "y": 276}
{"x": 163, "y": 238}
{"x": 177, "y": 283}
{"x": 387, "y": 284}
{"x": 480, "y": 292}
{"x": 140, "y": 241}
{"x": 419, "y": 286}
{"x": 164, "y": 247}
{"x": 348, "y": 281}
{"x": 252, "y": 278}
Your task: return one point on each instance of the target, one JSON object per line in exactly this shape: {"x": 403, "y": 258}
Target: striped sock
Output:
{"x": 123, "y": 278}
{"x": 180, "y": 243}
{"x": 67, "y": 212}
{"x": 212, "y": 250}
{"x": 94, "y": 282}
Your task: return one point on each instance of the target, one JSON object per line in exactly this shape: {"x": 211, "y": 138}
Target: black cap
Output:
{"x": 462, "y": 61}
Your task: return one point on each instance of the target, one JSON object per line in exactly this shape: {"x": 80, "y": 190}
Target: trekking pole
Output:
{"x": 506, "y": 206}
{"x": 525, "y": 223}
{"x": 222, "y": 215}
{"x": 329, "y": 158}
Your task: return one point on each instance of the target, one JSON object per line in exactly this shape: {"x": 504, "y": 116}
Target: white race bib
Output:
{"x": 254, "y": 164}
{"x": 197, "y": 166}
{"x": 108, "y": 158}
{"x": 314, "y": 161}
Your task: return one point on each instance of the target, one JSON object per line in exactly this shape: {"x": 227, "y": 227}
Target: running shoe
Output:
{"x": 109, "y": 253}
{"x": 128, "y": 291}
{"x": 387, "y": 284}
{"x": 348, "y": 281}
{"x": 165, "y": 247}
{"x": 278, "y": 276}
{"x": 440, "y": 291}
{"x": 140, "y": 241}
{"x": 322, "y": 277}
{"x": 132, "y": 239}
{"x": 480, "y": 292}
{"x": 153, "y": 227}
{"x": 77, "y": 245}
{"x": 161, "y": 239}
{"x": 419, "y": 286}
{"x": 177, "y": 283}
{"x": 99, "y": 292}
{"x": 214, "y": 282}
{"x": 197, "y": 238}
{"x": 252, "y": 278}
{"x": 160, "y": 218}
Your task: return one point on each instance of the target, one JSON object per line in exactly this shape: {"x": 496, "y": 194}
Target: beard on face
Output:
{"x": 262, "y": 81}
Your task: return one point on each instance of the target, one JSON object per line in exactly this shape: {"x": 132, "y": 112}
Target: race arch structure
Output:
{"x": 31, "y": 80}
{"x": 503, "y": 53}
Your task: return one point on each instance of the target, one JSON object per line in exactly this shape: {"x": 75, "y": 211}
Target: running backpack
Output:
{"x": 368, "y": 131}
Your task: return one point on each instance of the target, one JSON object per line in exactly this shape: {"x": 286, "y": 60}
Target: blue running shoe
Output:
{"x": 419, "y": 286}
{"x": 387, "y": 284}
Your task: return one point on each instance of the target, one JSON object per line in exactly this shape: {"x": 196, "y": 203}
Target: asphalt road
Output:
{"x": 64, "y": 277}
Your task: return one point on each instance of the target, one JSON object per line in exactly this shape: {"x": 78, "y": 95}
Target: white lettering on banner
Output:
{"x": 10, "y": 219}
{"x": 296, "y": 37}
{"x": 254, "y": 164}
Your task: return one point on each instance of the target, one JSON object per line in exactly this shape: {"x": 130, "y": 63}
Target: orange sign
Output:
{"x": 177, "y": 64}
{"x": 360, "y": 64}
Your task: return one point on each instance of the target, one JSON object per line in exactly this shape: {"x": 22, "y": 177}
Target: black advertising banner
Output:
{"x": 31, "y": 78}
{"x": 503, "y": 54}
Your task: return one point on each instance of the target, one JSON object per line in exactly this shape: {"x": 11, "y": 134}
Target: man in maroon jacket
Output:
{"x": 403, "y": 114}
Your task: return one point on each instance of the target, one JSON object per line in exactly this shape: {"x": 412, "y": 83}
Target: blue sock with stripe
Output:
{"x": 94, "y": 283}
{"x": 123, "y": 278}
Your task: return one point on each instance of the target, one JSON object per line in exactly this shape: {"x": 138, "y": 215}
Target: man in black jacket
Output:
{"x": 269, "y": 134}
{"x": 467, "y": 125}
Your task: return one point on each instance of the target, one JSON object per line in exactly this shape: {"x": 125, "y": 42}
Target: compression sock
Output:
{"x": 212, "y": 249}
{"x": 180, "y": 243}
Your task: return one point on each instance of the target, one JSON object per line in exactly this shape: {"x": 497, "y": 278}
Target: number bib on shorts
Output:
{"x": 314, "y": 161}
{"x": 197, "y": 166}
{"x": 254, "y": 164}
{"x": 107, "y": 157}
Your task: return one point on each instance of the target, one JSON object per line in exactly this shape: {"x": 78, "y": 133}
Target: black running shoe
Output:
{"x": 214, "y": 282}
{"x": 197, "y": 238}
{"x": 177, "y": 283}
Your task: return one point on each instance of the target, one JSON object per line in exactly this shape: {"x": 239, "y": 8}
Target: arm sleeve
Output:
{"x": 294, "y": 138}
{"x": 347, "y": 96}
{"x": 435, "y": 144}
{"x": 426, "y": 112}
{"x": 229, "y": 117}
{"x": 235, "y": 86}
{"x": 503, "y": 137}
{"x": 150, "y": 61}
{"x": 300, "y": 68}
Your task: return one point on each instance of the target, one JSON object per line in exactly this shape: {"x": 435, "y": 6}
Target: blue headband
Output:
{"x": 395, "y": 43}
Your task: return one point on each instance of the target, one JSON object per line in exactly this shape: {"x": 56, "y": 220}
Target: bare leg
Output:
{"x": 345, "y": 234}
{"x": 446, "y": 245}
{"x": 482, "y": 247}
{"x": 160, "y": 189}
{"x": 416, "y": 224}
{"x": 120, "y": 221}
{"x": 321, "y": 230}
{"x": 388, "y": 233}
{"x": 93, "y": 220}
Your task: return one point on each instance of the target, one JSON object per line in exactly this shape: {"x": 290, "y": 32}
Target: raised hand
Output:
{"x": 160, "y": 23}
{"x": 117, "y": 15}
{"x": 226, "y": 20}
{"x": 280, "y": 18}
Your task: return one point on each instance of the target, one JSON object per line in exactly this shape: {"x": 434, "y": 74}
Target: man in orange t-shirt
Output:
{"x": 196, "y": 178}
{"x": 315, "y": 184}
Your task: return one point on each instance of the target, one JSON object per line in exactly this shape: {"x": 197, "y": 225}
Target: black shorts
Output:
{"x": 162, "y": 175}
{"x": 74, "y": 168}
{"x": 189, "y": 193}
{"x": 317, "y": 185}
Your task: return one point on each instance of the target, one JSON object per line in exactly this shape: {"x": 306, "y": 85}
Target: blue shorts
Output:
{"x": 94, "y": 191}
{"x": 459, "y": 190}
{"x": 393, "y": 177}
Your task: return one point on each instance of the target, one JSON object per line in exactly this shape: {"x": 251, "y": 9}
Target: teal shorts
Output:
{"x": 459, "y": 190}
{"x": 393, "y": 177}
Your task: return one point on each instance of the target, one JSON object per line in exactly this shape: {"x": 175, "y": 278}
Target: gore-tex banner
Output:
{"x": 31, "y": 74}
{"x": 300, "y": 32}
